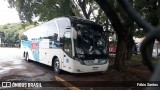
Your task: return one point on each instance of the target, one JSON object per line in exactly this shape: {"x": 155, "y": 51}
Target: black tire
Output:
{"x": 56, "y": 66}
{"x": 27, "y": 57}
{"x": 23, "y": 54}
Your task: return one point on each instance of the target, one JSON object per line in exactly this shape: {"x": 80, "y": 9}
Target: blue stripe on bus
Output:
{"x": 26, "y": 44}
{"x": 35, "y": 52}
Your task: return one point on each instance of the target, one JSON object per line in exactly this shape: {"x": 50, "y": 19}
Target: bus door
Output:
{"x": 67, "y": 47}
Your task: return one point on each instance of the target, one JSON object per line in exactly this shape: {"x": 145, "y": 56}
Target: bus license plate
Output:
{"x": 95, "y": 68}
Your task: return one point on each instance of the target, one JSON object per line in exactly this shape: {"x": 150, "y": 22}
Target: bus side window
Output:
{"x": 67, "y": 43}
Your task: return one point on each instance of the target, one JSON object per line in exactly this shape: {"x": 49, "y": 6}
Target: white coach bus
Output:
{"x": 67, "y": 43}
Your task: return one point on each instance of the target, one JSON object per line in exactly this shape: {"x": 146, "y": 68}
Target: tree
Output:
{"x": 120, "y": 30}
{"x": 149, "y": 9}
{"x": 128, "y": 23}
{"x": 13, "y": 32}
{"x": 44, "y": 9}
{"x": 89, "y": 9}
{"x": 49, "y": 9}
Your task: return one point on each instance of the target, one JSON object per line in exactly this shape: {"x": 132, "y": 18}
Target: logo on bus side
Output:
{"x": 34, "y": 45}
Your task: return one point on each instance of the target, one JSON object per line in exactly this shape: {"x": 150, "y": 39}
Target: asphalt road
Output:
{"x": 14, "y": 68}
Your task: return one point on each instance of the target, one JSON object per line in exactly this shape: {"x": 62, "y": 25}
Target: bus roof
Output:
{"x": 75, "y": 19}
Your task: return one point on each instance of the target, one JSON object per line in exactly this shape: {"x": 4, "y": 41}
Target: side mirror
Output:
{"x": 68, "y": 27}
{"x": 74, "y": 32}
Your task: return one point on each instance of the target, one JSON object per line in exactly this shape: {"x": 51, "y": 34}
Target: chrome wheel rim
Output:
{"x": 56, "y": 66}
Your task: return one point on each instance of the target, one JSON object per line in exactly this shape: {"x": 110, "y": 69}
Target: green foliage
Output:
{"x": 13, "y": 32}
{"x": 44, "y": 9}
{"x": 49, "y": 9}
{"x": 149, "y": 10}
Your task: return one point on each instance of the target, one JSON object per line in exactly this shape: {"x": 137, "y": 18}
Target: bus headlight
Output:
{"x": 81, "y": 61}
{"x": 93, "y": 62}
{"x": 89, "y": 62}
{"x": 103, "y": 61}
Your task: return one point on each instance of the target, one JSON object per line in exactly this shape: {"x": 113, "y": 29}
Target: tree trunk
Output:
{"x": 150, "y": 50}
{"x": 129, "y": 50}
{"x": 82, "y": 4}
{"x": 120, "y": 55}
{"x": 120, "y": 30}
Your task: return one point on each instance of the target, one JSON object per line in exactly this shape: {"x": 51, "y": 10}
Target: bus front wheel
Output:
{"x": 56, "y": 66}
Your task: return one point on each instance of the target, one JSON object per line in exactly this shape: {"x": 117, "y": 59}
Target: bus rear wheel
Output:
{"x": 56, "y": 66}
{"x": 27, "y": 57}
{"x": 24, "y": 55}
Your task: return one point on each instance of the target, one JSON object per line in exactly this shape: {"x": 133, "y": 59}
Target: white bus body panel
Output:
{"x": 75, "y": 66}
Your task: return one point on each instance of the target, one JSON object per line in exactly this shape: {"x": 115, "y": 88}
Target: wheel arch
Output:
{"x": 53, "y": 59}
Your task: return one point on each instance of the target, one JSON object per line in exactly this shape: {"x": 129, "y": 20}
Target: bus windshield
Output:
{"x": 90, "y": 41}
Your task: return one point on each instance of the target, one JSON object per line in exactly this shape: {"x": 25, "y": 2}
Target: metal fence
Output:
{"x": 153, "y": 33}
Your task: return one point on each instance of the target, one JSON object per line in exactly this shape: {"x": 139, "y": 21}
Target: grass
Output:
{"x": 138, "y": 58}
